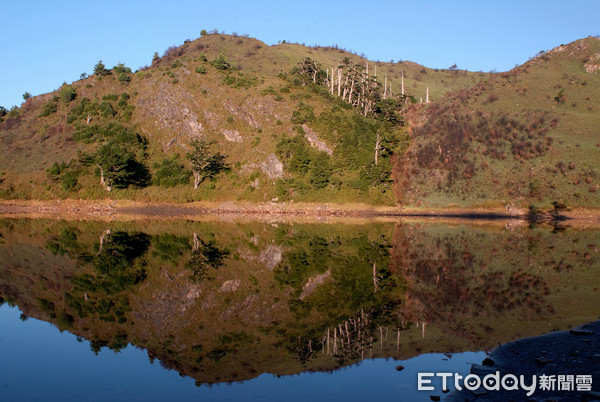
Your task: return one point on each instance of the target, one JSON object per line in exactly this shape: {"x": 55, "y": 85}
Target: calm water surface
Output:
{"x": 274, "y": 311}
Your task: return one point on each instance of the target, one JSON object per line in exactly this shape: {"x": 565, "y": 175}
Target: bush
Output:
{"x": 170, "y": 173}
{"x": 220, "y": 63}
{"x": 124, "y": 77}
{"x": 201, "y": 70}
{"x": 107, "y": 110}
{"x": 121, "y": 69}
{"x": 67, "y": 94}
{"x": 49, "y": 107}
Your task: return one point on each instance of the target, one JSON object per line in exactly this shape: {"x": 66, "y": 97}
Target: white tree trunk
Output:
{"x": 402, "y": 82}
{"x": 196, "y": 245}
{"x": 427, "y": 96}
{"x": 385, "y": 86}
{"x": 196, "y": 180}
{"x": 377, "y": 146}
{"x": 332, "y": 79}
{"x": 103, "y": 180}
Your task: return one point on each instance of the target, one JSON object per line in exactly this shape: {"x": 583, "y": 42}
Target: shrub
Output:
{"x": 49, "y": 107}
{"x": 121, "y": 69}
{"x": 201, "y": 70}
{"x": 170, "y": 173}
{"x": 107, "y": 110}
{"x": 124, "y": 77}
{"x": 220, "y": 63}
{"x": 67, "y": 94}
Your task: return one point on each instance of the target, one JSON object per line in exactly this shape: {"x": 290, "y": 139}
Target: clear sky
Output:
{"x": 44, "y": 43}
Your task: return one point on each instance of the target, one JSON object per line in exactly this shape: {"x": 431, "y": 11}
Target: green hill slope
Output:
{"x": 528, "y": 136}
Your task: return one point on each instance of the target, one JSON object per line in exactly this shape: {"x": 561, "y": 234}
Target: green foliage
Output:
{"x": 170, "y": 172}
{"x": 65, "y": 174}
{"x": 123, "y": 77}
{"x": 169, "y": 247}
{"x": 296, "y": 153}
{"x": 67, "y": 94}
{"x": 112, "y": 131}
{"x": 201, "y": 70}
{"x": 101, "y": 69}
{"x": 78, "y": 110}
{"x": 220, "y": 63}
{"x": 561, "y": 97}
{"x": 106, "y": 110}
{"x": 119, "y": 167}
{"x": 66, "y": 243}
{"x": 205, "y": 164}
{"x": 110, "y": 97}
{"x": 118, "y": 266}
{"x": 49, "y": 107}
{"x": 303, "y": 114}
{"x": 202, "y": 57}
{"x": 205, "y": 257}
{"x": 121, "y": 69}
{"x": 320, "y": 170}
{"x": 26, "y": 95}
{"x": 117, "y": 159}
{"x": 241, "y": 80}
{"x": 203, "y": 32}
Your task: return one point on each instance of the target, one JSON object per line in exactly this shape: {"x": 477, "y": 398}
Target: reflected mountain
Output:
{"x": 222, "y": 301}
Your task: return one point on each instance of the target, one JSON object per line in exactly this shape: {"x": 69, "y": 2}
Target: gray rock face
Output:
{"x": 314, "y": 140}
{"x": 232, "y": 136}
{"x": 272, "y": 167}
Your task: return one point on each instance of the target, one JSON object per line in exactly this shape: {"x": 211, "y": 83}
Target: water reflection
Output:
{"x": 223, "y": 302}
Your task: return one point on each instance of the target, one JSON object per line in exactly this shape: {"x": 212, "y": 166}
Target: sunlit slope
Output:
{"x": 529, "y": 136}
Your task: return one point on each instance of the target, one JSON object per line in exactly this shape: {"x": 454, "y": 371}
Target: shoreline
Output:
{"x": 124, "y": 209}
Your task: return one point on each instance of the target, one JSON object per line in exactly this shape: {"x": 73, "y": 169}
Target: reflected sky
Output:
{"x": 42, "y": 363}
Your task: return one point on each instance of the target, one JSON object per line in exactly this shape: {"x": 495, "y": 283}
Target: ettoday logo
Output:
{"x": 509, "y": 382}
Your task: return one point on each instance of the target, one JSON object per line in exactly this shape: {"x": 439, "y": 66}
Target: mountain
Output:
{"x": 283, "y": 132}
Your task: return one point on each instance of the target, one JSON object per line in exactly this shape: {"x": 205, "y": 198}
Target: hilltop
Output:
{"x": 284, "y": 133}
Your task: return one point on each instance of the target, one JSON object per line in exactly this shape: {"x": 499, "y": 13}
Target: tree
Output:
{"x": 220, "y": 63}
{"x": 67, "y": 94}
{"x": 203, "y": 32}
{"x": 26, "y": 95}
{"x": 100, "y": 69}
{"x": 119, "y": 168}
{"x": 205, "y": 165}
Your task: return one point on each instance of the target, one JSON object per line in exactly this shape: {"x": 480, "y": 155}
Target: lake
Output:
{"x": 225, "y": 309}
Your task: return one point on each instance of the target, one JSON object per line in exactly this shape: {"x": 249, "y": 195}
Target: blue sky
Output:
{"x": 46, "y": 43}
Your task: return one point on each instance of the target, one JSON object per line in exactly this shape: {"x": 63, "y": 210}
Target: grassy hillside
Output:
{"x": 528, "y": 136}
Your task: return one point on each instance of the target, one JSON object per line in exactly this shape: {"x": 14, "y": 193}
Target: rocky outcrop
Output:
{"x": 314, "y": 140}
{"x": 272, "y": 167}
